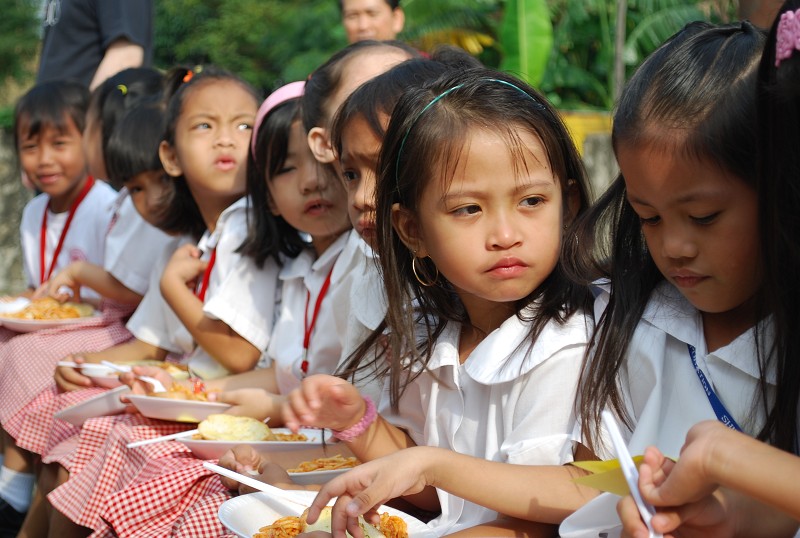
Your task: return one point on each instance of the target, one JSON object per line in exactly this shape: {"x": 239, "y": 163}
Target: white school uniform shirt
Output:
{"x": 663, "y": 394}
{"x": 508, "y": 402}
{"x": 85, "y": 239}
{"x": 301, "y": 280}
{"x": 239, "y": 294}
{"x": 154, "y": 322}
{"x": 132, "y": 245}
{"x": 361, "y": 300}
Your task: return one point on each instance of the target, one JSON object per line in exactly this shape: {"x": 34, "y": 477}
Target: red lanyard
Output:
{"x": 309, "y": 327}
{"x": 45, "y": 276}
{"x": 201, "y": 293}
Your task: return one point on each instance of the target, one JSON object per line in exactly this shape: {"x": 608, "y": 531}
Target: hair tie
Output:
{"x": 122, "y": 88}
{"x": 293, "y": 90}
{"x": 787, "y": 36}
{"x": 188, "y": 76}
{"x": 437, "y": 99}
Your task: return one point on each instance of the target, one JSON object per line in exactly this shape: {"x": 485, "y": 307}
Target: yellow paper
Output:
{"x": 606, "y": 475}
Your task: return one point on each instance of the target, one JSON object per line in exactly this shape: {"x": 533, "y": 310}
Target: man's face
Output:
{"x": 371, "y": 19}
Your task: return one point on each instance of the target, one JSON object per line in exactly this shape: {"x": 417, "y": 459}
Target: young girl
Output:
{"x": 683, "y": 338}
{"x": 67, "y": 222}
{"x": 485, "y": 333}
{"x": 727, "y": 471}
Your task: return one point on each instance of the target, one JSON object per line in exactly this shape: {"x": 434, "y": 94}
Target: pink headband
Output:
{"x": 285, "y": 93}
{"x": 787, "y": 37}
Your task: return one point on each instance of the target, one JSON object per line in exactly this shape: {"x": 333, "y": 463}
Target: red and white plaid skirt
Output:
{"x": 29, "y": 360}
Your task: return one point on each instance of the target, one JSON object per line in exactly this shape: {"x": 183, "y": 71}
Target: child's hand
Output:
{"x": 255, "y": 403}
{"x": 68, "y": 379}
{"x": 66, "y": 278}
{"x": 141, "y": 387}
{"x": 184, "y": 267}
{"x": 244, "y": 460}
{"x": 323, "y": 401}
{"x": 364, "y": 488}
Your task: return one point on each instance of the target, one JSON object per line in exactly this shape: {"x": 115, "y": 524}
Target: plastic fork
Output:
{"x": 157, "y": 386}
{"x": 630, "y": 471}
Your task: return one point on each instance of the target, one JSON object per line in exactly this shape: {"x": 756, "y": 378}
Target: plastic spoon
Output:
{"x": 288, "y": 501}
{"x": 157, "y": 386}
{"x": 630, "y": 471}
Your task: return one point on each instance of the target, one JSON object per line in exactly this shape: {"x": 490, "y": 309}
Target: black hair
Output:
{"x": 270, "y": 235}
{"x": 695, "y": 96}
{"x": 455, "y": 104}
{"x": 394, "y": 4}
{"x": 50, "y": 104}
{"x": 132, "y": 147}
{"x": 326, "y": 79}
{"x": 375, "y": 99}
{"x": 778, "y": 100}
{"x": 180, "y": 214}
{"x": 119, "y": 93}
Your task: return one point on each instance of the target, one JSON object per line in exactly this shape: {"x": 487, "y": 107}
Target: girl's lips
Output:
{"x": 687, "y": 281}
{"x": 316, "y": 207}
{"x": 47, "y": 179}
{"x": 508, "y": 268}
{"x": 225, "y": 163}
{"x": 365, "y": 227}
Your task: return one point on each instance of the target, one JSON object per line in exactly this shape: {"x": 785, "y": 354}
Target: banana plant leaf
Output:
{"x": 526, "y": 37}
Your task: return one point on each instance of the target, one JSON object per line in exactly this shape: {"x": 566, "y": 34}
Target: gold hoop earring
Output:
{"x": 416, "y": 274}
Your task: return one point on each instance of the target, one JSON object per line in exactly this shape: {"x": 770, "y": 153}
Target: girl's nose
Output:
{"x": 364, "y": 197}
{"x": 503, "y": 233}
{"x": 677, "y": 242}
{"x": 311, "y": 179}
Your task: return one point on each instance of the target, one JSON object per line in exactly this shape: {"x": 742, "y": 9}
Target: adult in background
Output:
{"x": 90, "y": 40}
{"x": 372, "y": 19}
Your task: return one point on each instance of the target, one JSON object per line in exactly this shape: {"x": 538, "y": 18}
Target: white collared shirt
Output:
{"x": 131, "y": 245}
{"x": 301, "y": 280}
{"x": 239, "y": 293}
{"x": 664, "y": 396}
{"x": 507, "y": 402}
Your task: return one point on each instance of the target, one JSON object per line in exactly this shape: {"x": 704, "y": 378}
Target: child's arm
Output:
{"x": 69, "y": 379}
{"x": 82, "y": 273}
{"x": 714, "y": 456}
{"x": 177, "y": 286}
{"x": 543, "y": 493}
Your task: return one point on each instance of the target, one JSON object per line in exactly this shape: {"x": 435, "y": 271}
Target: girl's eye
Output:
{"x": 134, "y": 190}
{"x": 466, "y": 210}
{"x": 349, "y": 176}
{"x": 244, "y": 127}
{"x": 708, "y": 219}
{"x": 649, "y": 221}
{"x": 202, "y": 126}
{"x": 533, "y": 201}
{"x": 285, "y": 170}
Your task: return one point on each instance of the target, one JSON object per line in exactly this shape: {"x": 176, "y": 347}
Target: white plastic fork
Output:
{"x": 157, "y": 386}
{"x": 288, "y": 500}
{"x": 630, "y": 471}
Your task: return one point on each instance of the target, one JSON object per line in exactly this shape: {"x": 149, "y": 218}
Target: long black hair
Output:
{"x": 695, "y": 95}
{"x": 779, "y": 199}
{"x": 454, "y": 105}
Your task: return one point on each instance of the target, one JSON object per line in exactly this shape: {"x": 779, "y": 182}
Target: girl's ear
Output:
{"x": 169, "y": 160}
{"x": 405, "y": 224}
{"x": 320, "y": 145}
{"x": 572, "y": 202}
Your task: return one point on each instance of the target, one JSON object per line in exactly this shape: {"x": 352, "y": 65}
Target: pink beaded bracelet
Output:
{"x": 370, "y": 414}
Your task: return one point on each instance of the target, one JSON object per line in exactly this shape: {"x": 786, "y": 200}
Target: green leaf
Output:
{"x": 526, "y": 37}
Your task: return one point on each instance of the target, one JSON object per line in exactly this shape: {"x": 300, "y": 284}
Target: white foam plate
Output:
{"x": 245, "y": 514}
{"x": 176, "y": 410}
{"x": 33, "y": 325}
{"x": 211, "y": 450}
{"x": 101, "y": 405}
{"x": 9, "y": 305}
{"x": 316, "y": 477}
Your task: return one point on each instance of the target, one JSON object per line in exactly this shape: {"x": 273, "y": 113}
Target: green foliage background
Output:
{"x": 565, "y": 47}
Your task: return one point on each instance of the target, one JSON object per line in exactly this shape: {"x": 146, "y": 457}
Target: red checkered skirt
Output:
{"x": 102, "y": 465}
{"x": 29, "y": 359}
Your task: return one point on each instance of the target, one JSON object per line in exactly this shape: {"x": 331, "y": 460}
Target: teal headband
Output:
{"x": 438, "y": 98}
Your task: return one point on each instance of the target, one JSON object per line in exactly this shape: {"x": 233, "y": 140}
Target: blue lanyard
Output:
{"x": 716, "y": 404}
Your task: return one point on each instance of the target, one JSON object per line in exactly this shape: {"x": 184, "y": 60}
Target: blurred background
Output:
{"x": 577, "y": 52}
